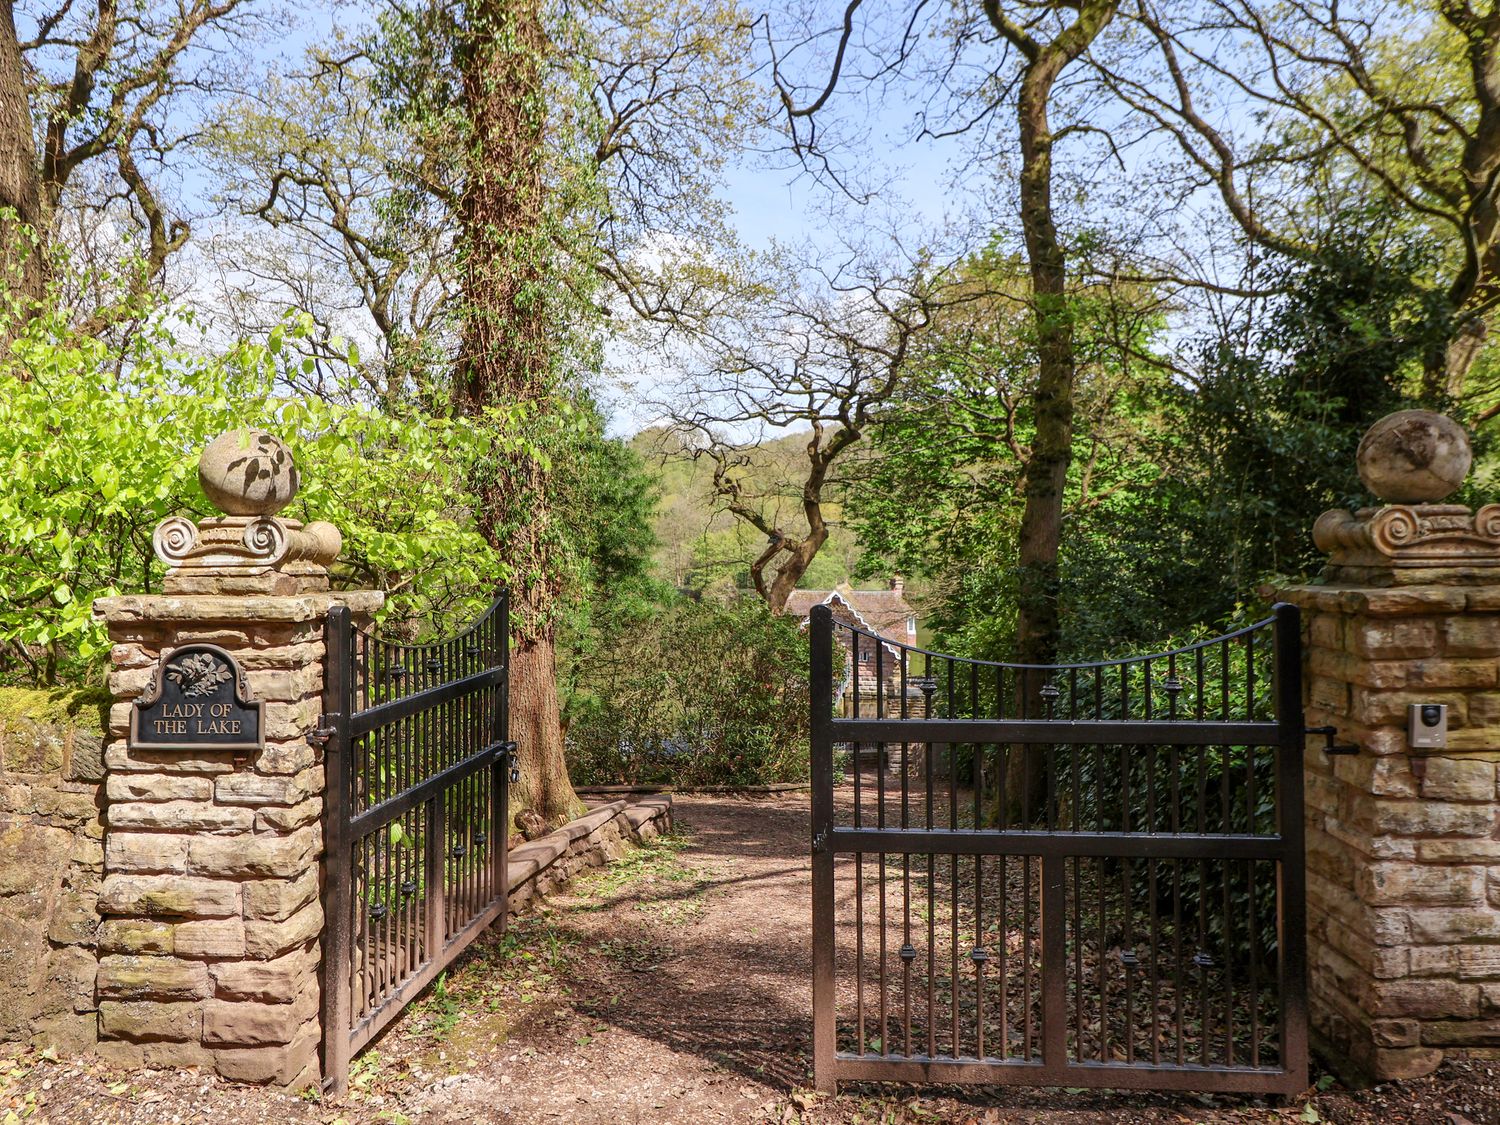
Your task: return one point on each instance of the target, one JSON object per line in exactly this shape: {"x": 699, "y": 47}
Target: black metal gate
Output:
{"x": 1077, "y": 875}
{"x": 415, "y": 817}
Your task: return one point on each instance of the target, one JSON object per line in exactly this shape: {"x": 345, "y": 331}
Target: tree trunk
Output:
{"x": 21, "y": 230}
{"x": 536, "y": 727}
{"x": 505, "y": 358}
{"x": 1037, "y": 631}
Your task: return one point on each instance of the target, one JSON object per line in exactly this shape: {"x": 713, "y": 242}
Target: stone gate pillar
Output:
{"x": 1403, "y": 853}
{"x": 209, "y": 945}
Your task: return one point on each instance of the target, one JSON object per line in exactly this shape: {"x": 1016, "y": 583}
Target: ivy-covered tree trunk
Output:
{"x": 505, "y": 358}
{"x": 20, "y": 190}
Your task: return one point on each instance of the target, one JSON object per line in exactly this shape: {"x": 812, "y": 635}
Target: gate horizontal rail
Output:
{"x": 1053, "y": 732}
{"x": 1079, "y": 875}
{"x": 958, "y": 841}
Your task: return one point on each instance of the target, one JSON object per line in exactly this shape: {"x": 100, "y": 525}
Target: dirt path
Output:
{"x": 671, "y": 987}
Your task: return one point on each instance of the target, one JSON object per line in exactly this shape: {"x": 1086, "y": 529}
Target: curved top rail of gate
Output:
{"x": 1227, "y": 678}
{"x": 386, "y": 670}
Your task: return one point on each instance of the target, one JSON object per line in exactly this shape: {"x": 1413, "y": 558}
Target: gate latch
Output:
{"x": 1332, "y": 747}
{"x": 508, "y": 756}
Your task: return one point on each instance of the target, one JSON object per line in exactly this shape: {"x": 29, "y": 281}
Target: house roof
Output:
{"x": 882, "y": 611}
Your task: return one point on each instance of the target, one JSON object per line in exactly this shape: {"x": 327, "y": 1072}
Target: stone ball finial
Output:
{"x": 1414, "y": 457}
{"x": 248, "y": 473}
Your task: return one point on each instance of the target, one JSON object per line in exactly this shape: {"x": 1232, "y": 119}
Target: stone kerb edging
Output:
{"x": 540, "y": 866}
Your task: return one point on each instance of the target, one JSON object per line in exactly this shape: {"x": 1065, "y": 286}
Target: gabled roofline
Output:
{"x": 894, "y": 648}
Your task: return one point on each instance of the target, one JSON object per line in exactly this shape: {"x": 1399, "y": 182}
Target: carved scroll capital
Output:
{"x": 1411, "y": 535}
{"x": 243, "y": 544}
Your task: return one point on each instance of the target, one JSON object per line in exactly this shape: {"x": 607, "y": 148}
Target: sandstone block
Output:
{"x": 245, "y": 1023}
{"x": 1458, "y": 779}
{"x": 269, "y": 1065}
{"x": 1328, "y": 694}
{"x": 132, "y": 935}
{"x": 278, "y": 981}
{"x": 1462, "y": 1033}
{"x": 137, "y": 977}
{"x": 287, "y": 684}
{"x": 1406, "y": 1062}
{"x": 59, "y": 805}
{"x": 75, "y": 920}
{"x": 1395, "y": 1033}
{"x": 1464, "y": 674}
{"x": 287, "y": 820}
{"x": 118, "y": 759}
{"x": 1438, "y": 926}
{"x": 1479, "y": 962}
{"x": 253, "y": 856}
{"x": 1391, "y": 884}
{"x": 1431, "y": 818}
{"x": 69, "y": 1033}
{"x": 127, "y": 683}
{"x": 158, "y": 787}
{"x": 1325, "y": 630}
{"x": 1402, "y": 639}
{"x": 169, "y": 896}
{"x": 289, "y": 722}
{"x": 1459, "y": 850}
{"x": 121, "y": 1054}
{"x": 1432, "y": 961}
{"x": 68, "y": 981}
{"x": 168, "y": 1054}
{"x": 1386, "y": 775}
{"x": 1472, "y": 634}
{"x": 32, "y": 858}
{"x": 1425, "y": 999}
{"x": 273, "y": 900}
{"x": 266, "y": 940}
{"x": 287, "y": 757}
{"x": 215, "y": 938}
{"x": 282, "y": 656}
{"x": 146, "y": 851}
{"x": 139, "y": 1020}
{"x": 181, "y": 816}
{"x": 255, "y": 789}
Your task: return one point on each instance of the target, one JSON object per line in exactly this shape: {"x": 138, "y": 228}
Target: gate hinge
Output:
{"x": 1332, "y": 747}
{"x": 820, "y": 841}
{"x": 321, "y": 735}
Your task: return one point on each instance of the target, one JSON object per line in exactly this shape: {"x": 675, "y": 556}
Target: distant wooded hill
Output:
{"x": 703, "y": 549}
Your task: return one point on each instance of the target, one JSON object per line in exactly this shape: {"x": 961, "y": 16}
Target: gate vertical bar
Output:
{"x": 1292, "y": 870}
{"x": 338, "y": 697}
{"x": 821, "y": 746}
{"x": 1054, "y": 953}
{"x": 500, "y": 797}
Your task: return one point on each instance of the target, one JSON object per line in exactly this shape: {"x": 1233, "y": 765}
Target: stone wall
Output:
{"x": 1403, "y": 845}
{"x": 51, "y": 863}
{"x": 537, "y": 868}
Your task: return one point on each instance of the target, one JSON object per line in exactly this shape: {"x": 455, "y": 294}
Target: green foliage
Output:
{"x": 691, "y": 693}
{"x": 98, "y": 444}
{"x": 1266, "y": 440}
{"x": 941, "y": 497}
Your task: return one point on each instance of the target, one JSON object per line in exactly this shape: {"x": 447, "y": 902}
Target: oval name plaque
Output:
{"x": 197, "y": 699}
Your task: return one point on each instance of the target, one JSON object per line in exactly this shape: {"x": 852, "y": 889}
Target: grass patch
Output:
{"x": 655, "y": 876}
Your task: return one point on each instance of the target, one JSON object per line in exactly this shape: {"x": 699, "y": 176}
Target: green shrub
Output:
{"x": 690, "y": 693}
{"x": 99, "y": 442}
